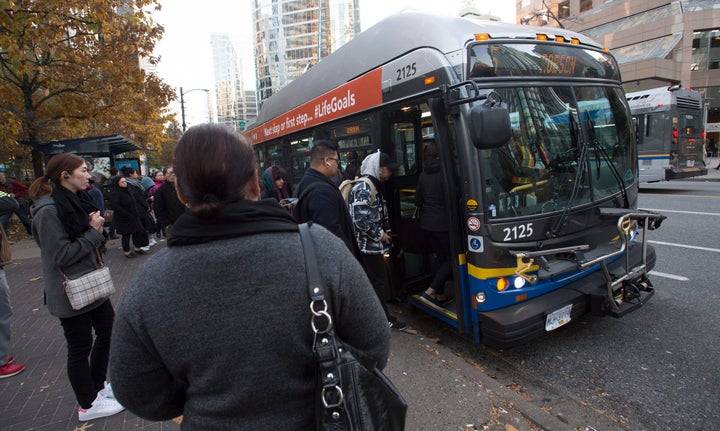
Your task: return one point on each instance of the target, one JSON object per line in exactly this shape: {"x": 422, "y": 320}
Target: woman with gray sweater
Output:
{"x": 216, "y": 327}
{"x": 68, "y": 228}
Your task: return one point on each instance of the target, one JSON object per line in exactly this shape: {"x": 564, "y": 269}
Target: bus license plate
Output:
{"x": 558, "y": 318}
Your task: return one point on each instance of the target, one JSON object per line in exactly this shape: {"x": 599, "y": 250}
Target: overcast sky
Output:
{"x": 186, "y": 53}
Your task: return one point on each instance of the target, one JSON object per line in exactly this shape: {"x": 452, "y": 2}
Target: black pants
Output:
{"x": 139, "y": 239}
{"x": 87, "y": 361}
{"x": 376, "y": 269}
{"x": 440, "y": 243}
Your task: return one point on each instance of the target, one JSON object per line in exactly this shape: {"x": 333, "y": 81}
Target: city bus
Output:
{"x": 669, "y": 127}
{"x": 531, "y": 250}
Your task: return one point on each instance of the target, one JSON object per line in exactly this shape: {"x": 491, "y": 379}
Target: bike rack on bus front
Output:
{"x": 623, "y": 291}
{"x": 635, "y": 279}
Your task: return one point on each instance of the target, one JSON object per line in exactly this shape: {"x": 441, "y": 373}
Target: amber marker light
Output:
{"x": 482, "y": 36}
{"x": 559, "y": 39}
{"x": 429, "y": 80}
{"x": 502, "y": 284}
{"x": 541, "y": 36}
{"x": 575, "y": 41}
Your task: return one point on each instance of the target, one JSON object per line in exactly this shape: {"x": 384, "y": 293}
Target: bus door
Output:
{"x": 653, "y": 146}
{"x": 410, "y": 263}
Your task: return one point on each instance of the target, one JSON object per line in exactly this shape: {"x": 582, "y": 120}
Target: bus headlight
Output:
{"x": 519, "y": 282}
{"x": 480, "y": 297}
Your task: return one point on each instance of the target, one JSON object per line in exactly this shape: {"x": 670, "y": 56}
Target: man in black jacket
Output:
{"x": 166, "y": 204}
{"x": 323, "y": 203}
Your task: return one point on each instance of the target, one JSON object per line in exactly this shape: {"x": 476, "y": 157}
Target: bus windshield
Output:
{"x": 570, "y": 146}
{"x": 690, "y": 124}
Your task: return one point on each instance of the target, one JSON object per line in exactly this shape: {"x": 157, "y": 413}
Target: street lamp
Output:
{"x": 182, "y": 102}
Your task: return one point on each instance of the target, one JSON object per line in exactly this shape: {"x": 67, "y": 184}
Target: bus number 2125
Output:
{"x": 518, "y": 232}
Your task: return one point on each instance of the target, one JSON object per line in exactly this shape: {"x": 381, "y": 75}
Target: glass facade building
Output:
{"x": 228, "y": 85}
{"x": 235, "y": 107}
{"x": 292, "y": 35}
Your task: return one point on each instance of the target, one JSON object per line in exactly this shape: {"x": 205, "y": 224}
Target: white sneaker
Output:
{"x": 101, "y": 407}
{"x": 107, "y": 392}
{"x": 145, "y": 249}
{"x": 152, "y": 242}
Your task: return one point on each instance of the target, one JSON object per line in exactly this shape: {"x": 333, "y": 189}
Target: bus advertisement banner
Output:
{"x": 355, "y": 96}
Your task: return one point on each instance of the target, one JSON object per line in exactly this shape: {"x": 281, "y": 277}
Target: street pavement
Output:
{"x": 443, "y": 390}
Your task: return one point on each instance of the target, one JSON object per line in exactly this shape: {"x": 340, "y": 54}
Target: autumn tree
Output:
{"x": 162, "y": 154}
{"x": 70, "y": 68}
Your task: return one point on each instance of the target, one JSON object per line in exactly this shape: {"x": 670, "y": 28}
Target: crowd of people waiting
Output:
{"x": 222, "y": 214}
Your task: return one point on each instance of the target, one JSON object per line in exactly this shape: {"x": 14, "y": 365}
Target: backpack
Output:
{"x": 347, "y": 185}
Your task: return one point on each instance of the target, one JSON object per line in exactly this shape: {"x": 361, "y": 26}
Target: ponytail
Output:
{"x": 42, "y": 186}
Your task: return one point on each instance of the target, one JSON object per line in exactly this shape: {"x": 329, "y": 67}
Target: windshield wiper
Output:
{"x": 599, "y": 149}
{"x": 579, "y": 174}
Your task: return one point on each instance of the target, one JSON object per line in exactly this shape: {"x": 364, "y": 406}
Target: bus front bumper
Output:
{"x": 518, "y": 324}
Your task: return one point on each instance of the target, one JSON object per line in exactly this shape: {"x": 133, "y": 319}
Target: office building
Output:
{"x": 657, "y": 42}
{"x": 235, "y": 107}
{"x": 292, "y": 35}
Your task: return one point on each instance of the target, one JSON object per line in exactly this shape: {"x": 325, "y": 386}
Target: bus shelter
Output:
{"x": 100, "y": 151}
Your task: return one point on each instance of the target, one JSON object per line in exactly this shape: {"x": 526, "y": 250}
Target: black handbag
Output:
{"x": 349, "y": 395}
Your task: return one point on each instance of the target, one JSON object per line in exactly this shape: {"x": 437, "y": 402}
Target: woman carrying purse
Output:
{"x": 213, "y": 330}
{"x": 68, "y": 228}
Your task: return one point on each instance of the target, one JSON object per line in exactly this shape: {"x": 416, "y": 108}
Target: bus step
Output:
{"x": 631, "y": 296}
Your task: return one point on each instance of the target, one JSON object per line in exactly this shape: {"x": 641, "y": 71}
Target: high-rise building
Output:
{"x": 228, "y": 82}
{"x": 292, "y": 35}
{"x": 236, "y": 106}
{"x": 656, "y": 42}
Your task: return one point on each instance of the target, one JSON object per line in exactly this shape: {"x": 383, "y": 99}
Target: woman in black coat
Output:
{"x": 430, "y": 198}
{"x": 128, "y": 216}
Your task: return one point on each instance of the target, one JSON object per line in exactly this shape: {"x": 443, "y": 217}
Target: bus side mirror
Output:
{"x": 489, "y": 126}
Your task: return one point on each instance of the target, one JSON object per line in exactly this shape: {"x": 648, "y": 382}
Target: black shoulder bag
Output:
{"x": 349, "y": 396}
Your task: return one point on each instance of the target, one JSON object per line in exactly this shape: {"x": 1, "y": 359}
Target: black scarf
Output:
{"x": 233, "y": 220}
{"x": 73, "y": 210}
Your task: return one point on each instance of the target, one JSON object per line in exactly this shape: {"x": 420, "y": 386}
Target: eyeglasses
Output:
{"x": 335, "y": 160}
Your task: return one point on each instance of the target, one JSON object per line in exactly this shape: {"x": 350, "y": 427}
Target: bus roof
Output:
{"x": 660, "y": 96}
{"x": 387, "y": 40}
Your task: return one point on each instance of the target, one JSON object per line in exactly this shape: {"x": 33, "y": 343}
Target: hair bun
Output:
{"x": 210, "y": 198}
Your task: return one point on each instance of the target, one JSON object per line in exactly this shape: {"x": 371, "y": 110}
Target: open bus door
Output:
{"x": 410, "y": 257}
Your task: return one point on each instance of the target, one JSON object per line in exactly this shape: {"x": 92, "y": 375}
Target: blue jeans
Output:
{"x": 5, "y": 318}
{"x": 22, "y": 215}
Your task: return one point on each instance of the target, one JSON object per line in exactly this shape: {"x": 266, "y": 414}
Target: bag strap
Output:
{"x": 325, "y": 344}
{"x": 99, "y": 258}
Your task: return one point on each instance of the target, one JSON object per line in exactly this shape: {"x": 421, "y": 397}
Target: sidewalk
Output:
{"x": 713, "y": 174}
{"x": 40, "y": 398}
{"x": 444, "y": 391}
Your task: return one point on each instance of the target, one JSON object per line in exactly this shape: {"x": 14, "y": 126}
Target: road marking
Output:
{"x": 683, "y": 196}
{"x": 682, "y": 212}
{"x": 666, "y": 275}
{"x": 694, "y": 247}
